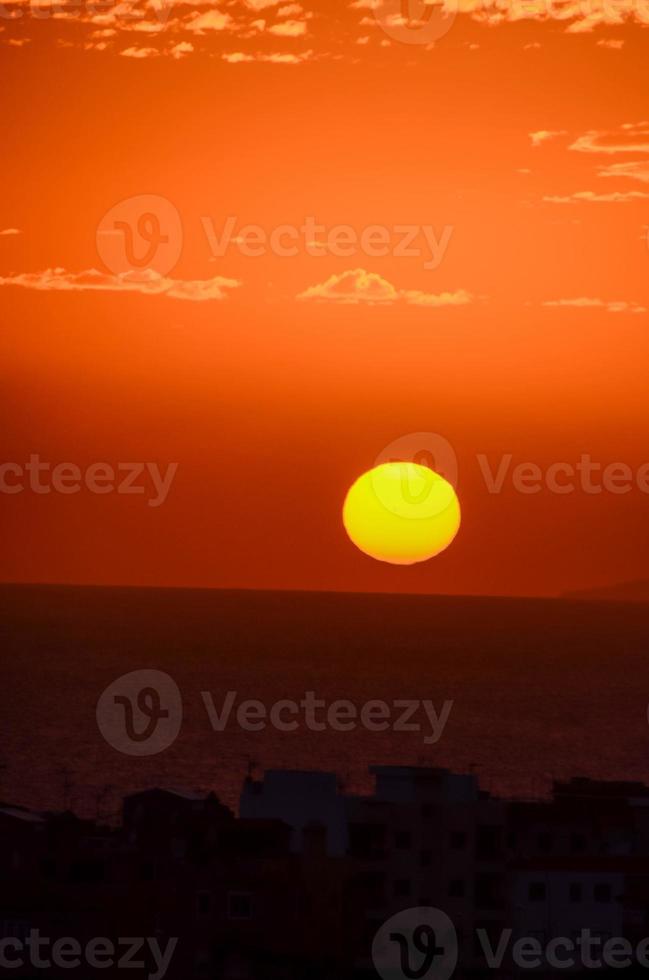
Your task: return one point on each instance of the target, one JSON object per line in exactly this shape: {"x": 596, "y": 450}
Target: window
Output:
{"x": 488, "y": 842}
{"x": 368, "y": 840}
{"x": 458, "y": 840}
{"x": 575, "y": 891}
{"x": 371, "y": 880}
{"x": 147, "y": 871}
{"x": 402, "y": 888}
{"x": 48, "y": 868}
{"x": 456, "y": 888}
{"x": 239, "y": 905}
{"x": 87, "y": 871}
{"x": 202, "y": 958}
{"x": 537, "y": 891}
{"x": 602, "y": 892}
{"x": 372, "y": 884}
{"x": 488, "y": 890}
{"x": 577, "y": 842}
{"x": 426, "y": 858}
{"x": 369, "y": 929}
{"x": 402, "y": 840}
{"x": 203, "y": 903}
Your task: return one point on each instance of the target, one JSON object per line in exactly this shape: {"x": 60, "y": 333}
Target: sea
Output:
{"x": 535, "y": 689}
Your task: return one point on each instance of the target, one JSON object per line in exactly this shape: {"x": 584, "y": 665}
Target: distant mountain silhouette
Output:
{"x": 637, "y": 591}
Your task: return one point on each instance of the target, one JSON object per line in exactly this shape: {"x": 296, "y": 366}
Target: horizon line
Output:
{"x": 585, "y": 595}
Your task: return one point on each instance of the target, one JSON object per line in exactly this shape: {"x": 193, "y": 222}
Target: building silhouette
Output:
{"x": 298, "y": 884}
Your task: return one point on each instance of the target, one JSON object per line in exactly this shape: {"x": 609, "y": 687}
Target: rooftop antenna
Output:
{"x": 103, "y": 794}
{"x": 67, "y": 787}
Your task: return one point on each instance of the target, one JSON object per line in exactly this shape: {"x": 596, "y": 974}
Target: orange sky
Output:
{"x": 274, "y": 380}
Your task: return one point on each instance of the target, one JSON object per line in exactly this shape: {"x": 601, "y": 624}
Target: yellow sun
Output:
{"x": 401, "y": 513}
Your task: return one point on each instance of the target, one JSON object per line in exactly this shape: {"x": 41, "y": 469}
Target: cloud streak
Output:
{"x": 148, "y": 283}
{"x": 544, "y": 135}
{"x": 637, "y": 170}
{"x": 615, "y": 197}
{"x": 609, "y": 306}
{"x": 358, "y": 286}
{"x": 274, "y": 58}
{"x": 629, "y": 138}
